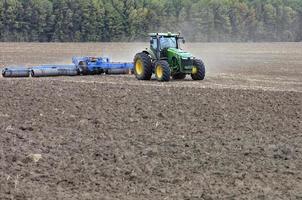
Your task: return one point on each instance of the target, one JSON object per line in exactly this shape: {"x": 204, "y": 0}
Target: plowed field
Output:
{"x": 235, "y": 135}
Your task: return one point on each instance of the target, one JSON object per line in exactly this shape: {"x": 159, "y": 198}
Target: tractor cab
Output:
{"x": 161, "y": 42}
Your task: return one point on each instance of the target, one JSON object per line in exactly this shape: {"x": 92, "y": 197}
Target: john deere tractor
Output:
{"x": 165, "y": 58}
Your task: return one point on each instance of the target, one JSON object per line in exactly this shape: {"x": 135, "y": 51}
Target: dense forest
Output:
{"x": 131, "y": 20}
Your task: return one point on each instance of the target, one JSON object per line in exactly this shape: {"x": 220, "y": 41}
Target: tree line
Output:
{"x": 131, "y": 20}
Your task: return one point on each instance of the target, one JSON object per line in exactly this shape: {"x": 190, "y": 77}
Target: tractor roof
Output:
{"x": 164, "y": 34}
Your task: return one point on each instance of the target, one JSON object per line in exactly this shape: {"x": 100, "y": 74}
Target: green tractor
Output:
{"x": 165, "y": 58}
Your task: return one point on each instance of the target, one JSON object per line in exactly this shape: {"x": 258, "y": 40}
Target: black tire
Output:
{"x": 83, "y": 68}
{"x": 162, "y": 71}
{"x": 4, "y": 72}
{"x": 201, "y": 71}
{"x": 179, "y": 76}
{"x": 142, "y": 66}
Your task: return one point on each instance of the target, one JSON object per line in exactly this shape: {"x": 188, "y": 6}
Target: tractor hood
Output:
{"x": 180, "y": 52}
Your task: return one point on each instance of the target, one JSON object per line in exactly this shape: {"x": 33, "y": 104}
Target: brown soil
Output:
{"x": 236, "y": 135}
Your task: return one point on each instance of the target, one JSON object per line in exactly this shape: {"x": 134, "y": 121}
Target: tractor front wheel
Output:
{"x": 142, "y": 66}
{"x": 162, "y": 71}
{"x": 198, "y": 71}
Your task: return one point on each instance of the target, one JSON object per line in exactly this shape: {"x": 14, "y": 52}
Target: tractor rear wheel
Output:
{"x": 162, "y": 71}
{"x": 142, "y": 66}
{"x": 198, "y": 71}
{"x": 179, "y": 76}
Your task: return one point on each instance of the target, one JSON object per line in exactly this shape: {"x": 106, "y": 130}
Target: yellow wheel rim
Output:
{"x": 159, "y": 71}
{"x": 139, "y": 67}
{"x": 194, "y": 70}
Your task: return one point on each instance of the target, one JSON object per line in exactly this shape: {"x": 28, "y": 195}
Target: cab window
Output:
{"x": 154, "y": 45}
{"x": 167, "y": 42}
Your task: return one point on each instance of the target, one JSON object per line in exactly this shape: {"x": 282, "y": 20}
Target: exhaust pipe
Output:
{"x": 16, "y": 72}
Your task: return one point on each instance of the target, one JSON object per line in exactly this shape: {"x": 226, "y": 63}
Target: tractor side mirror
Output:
{"x": 151, "y": 41}
{"x": 183, "y": 41}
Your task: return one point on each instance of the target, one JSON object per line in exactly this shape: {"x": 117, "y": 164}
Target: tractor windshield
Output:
{"x": 168, "y": 42}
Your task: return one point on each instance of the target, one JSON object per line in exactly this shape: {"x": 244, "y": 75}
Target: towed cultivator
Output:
{"x": 80, "y": 66}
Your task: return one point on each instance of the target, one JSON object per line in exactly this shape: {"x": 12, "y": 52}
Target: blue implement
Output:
{"x": 99, "y": 65}
{"x": 80, "y": 66}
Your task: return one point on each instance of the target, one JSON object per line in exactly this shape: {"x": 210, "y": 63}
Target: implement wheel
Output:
{"x": 162, "y": 71}
{"x": 198, "y": 71}
{"x": 83, "y": 68}
{"x": 142, "y": 66}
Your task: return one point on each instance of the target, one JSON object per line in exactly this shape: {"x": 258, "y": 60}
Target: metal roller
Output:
{"x": 53, "y": 71}
{"x": 16, "y": 72}
{"x": 117, "y": 71}
{"x": 80, "y": 66}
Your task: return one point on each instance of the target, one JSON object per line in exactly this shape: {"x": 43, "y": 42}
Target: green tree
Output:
{"x": 59, "y": 11}
{"x": 11, "y": 9}
{"x": 270, "y": 22}
{"x": 92, "y": 20}
{"x": 113, "y": 29}
{"x": 124, "y": 9}
{"x": 128, "y": 20}
{"x": 34, "y": 20}
{"x": 1, "y": 20}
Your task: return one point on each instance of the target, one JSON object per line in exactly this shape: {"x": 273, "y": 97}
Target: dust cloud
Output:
{"x": 234, "y": 59}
